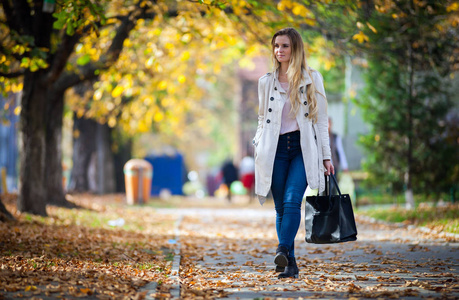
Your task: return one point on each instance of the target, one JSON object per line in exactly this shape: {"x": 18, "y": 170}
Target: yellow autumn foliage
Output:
{"x": 117, "y": 91}
{"x": 360, "y": 37}
{"x": 161, "y": 81}
{"x": 453, "y": 7}
{"x": 165, "y": 62}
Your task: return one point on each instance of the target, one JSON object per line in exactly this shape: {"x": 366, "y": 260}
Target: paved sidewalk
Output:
{"x": 228, "y": 253}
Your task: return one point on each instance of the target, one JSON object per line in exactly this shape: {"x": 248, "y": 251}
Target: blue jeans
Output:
{"x": 288, "y": 187}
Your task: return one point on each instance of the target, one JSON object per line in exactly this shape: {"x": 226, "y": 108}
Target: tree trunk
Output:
{"x": 53, "y": 158}
{"x": 105, "y": 162}
{"x": 32, "y": 145}
{"x": 83, "y": 147}
{"x": 409, "y": 199}
{"x": 93, "y": 140}
{"x": 27, "y": 18}
{"x": 4, "y": 213}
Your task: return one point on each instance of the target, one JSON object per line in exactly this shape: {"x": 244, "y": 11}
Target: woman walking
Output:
{"x": 292, "y": 146}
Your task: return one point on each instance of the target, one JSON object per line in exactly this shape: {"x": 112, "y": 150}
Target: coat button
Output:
{"x": 305, "y": 102}
{"x": 275, "y": 88}
{"x": 268, "y": 121}
{"x": 272, "y": 98}
{"x": 270, "y": 110}
{"x": 306, "y": 114}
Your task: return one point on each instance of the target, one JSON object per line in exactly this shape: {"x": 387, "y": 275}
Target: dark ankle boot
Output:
{"x": 281, "y": 259}
{"x": 291, "y": 270}
{"x": 279, "y": 269}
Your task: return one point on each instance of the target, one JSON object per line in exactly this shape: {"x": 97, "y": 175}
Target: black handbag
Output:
{"x": 330, "y": 218}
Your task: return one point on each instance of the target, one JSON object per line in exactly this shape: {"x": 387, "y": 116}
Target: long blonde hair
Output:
{"x": 295, "y": 72}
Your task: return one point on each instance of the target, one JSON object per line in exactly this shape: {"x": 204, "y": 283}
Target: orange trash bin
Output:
{"x": 138, "y": 174}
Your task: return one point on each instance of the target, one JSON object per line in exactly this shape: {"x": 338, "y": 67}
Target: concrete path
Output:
{"x": 228, "y": 253}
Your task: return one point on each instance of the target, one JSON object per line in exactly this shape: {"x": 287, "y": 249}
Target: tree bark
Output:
{"x": 94, "y": 146}
{"x": 83, "y": 147}
{"x": 105, "y": 162}
{"x": 32, "y": 145}
{"x": 409, "y": 198}
{"x": 53, "y": 159}
{"x": 32, "y": 194}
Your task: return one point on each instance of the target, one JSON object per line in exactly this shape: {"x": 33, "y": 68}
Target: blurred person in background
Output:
{"x": 230, "y": 175}
{"x": 247, "y": 174}
{"x": 336, "y": 146}
{"x": 213, "y": 181}
{"x": 292, "y": 148}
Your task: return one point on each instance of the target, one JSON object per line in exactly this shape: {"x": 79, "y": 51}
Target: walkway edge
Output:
{"x": 151, "y": 287}
{"x": 175, "y": 270}
{"x": 421, "y": 228}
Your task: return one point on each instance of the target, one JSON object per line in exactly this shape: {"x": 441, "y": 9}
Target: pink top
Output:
{"x": 288, "y": 123}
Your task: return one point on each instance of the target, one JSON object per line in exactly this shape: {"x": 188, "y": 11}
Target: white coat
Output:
{"x": 314, "y": 140}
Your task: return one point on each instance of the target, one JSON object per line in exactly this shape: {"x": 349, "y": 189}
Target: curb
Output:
{"x": 175, "y": 270}
{"x": 439, "y": 233}
{"x": 151, "y": 287}
{"x": 402, "y": 225}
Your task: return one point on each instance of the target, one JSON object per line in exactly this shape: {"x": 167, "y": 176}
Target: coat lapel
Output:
{"x": 306, "y": 79}
{"x": 305, "y": 82}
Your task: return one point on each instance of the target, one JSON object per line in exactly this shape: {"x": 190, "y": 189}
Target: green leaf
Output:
{"x": 36, "y": 52}
{"x": 25, "y": 62}
{"x": 61, "y": 20}
{"x": 70, "y": 30}
{"x": 83, "y": 60}
{"x": 34, "y": 68}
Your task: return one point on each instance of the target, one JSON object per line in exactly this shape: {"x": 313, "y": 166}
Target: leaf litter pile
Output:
{"x": 76, "y": 253}
{"x": 225, "y": 252}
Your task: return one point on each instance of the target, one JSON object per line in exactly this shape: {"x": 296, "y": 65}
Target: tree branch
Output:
{"x": 60, "y": 58}
{"x": 88, "y": 71}
{"x": 65, "y": 50}
{"x": 12, "y": 75}
{"x": 122, "y": 34}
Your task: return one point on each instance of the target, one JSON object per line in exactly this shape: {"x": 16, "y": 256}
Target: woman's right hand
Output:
{"x": 329, "y": 168}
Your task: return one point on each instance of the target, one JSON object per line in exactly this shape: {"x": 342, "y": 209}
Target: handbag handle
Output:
{"x": 328, "y": 187}
{"x": 335, "y": 182}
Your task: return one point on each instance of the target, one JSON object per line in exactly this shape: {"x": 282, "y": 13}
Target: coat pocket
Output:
{"x": 256, "y": 138}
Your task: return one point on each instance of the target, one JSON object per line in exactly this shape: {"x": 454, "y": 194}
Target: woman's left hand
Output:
{"x": 329, "y": 169}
